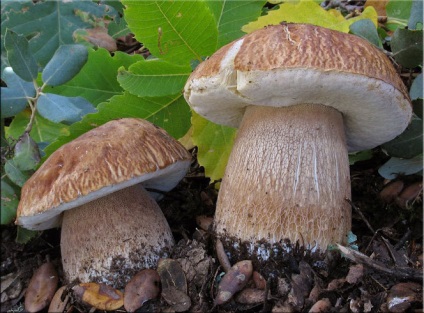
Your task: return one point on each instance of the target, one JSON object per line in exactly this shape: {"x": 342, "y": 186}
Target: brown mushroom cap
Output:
{"x": 289, "y": 64}
{"x": 116, "y": 155}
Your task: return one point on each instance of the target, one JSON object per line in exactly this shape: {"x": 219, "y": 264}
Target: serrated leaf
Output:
{"x": 154, "y": 78}
{"x": 19, "y": 56}
{"x": 214, "y": 144}
{"x": 309, "y": 12}
{"x": 366, "y": 29}
{"x": 102, "y": 86}
{"x": 50, "y": 24}
{"x": 65, "y": 64}
{"x": 407, "y": 47}
{"x": 175, "y": 31}
{"x": 61, "y": 109}
{"x": 231, "y": 15}
{"x": 170, "y": 113}
{"x": 16, "y": 175}
{"x": 9, "y": 203}
{"x": 396, "y": 166}
{"x": 409, "y": 143}
{"x": 27, "y": 155}
{"x": 43, "y": 130}
{"x": 14, "y": 96}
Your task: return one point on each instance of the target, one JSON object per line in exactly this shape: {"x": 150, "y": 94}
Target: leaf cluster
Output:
{"x": 58, "y": 89}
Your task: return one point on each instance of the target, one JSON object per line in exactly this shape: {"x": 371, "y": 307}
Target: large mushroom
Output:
{"x": 303, "y": 97}
{"x": 94, "y": 186}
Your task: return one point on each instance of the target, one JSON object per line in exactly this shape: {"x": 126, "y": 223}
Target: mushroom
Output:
{"x": 111, "y": 226}
{"x": 303, "y": 97}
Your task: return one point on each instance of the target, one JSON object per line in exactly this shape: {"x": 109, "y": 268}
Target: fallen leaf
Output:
{"x": 172, "y": 275}
{"x": 177, "y": 299}
{"x": 402, "y": 295}
{"x": 100, "y": 296}
{"x": 233, "y": 281}
{"x": 98, "y": 37}
{"x": 356, "y": 272}
{"x": 41, "y": 288}
{"x": 59, "y": 301}
{"x": 250, "y": 296}
{"x": 144, "y": 286}
{"x": 309, "y": 12}
{"x": 323, "y": 305}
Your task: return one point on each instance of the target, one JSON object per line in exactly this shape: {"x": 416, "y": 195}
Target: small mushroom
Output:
{"x": 111, "y": 226}
{"x": 302, "y": 96}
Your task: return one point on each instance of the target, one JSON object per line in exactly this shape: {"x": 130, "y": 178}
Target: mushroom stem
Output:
{"x": 112, "y": 238}
{"x": 287, "y": 178}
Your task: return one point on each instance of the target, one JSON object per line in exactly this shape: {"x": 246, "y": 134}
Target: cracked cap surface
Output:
{"x": 289, "y": 64}
{"x": 108, "y": 158}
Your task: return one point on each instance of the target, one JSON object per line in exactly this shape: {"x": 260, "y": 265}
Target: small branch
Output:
{"x": 361, "y": 215}
{"x": 398, "y": 272}
{"x": 33, "y": 105}
{"x": 222, "y": 256}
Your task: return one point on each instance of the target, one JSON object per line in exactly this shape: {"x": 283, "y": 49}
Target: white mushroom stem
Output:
{"x": 112, "y": 238}
{"x": 287, "y": 178}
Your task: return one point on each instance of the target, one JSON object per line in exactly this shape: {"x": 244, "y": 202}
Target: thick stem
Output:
{"x": 112, "y": 238}
{"x": 287, "y": 178}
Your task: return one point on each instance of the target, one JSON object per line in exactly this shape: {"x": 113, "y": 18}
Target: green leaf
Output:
{"x": 9, "y": 203}
{"x": 43, "y": 130}
{"x": 231, "y": 15}
{"x": 27, "y": 155}
{"x": 416, "y": 18}
{"x": 360, "y": 156}
{"x": 407, "y": 47}
{"x": 15, "y": 174}
{"x": 65, "y": 64}
{"x": 14, "y": 97}
{"x": 154, "y": 78}
{"x": 396, "y": 166}
{"x": 214, "y": 144}
{"x": 170, "y": 113}
{"x": 12, "y": 102}
{"x": 13, "y": 81}
{"x": 116, "y": 30}
{"x": 60, "y": 109}
{"x": 24, "y": 235}
{"x": 416, "y": 91}
{"x": 366, "y": 29}
{"x": 19, "y": 56}
{"x": 175, "y": 31}
{"x": 398, "y": 13}
{"x": 50, "y": 24}
{"x": 409, "y": 143}
{"x": 102, "y": 86}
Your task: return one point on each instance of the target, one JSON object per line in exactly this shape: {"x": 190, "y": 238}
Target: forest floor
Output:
{"x": 386, "y": 277}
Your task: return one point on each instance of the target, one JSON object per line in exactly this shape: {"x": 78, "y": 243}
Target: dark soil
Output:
{"x": 389, "y": 235}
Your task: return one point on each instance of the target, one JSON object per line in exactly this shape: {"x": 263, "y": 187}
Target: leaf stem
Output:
{"x": 33, "y": 105}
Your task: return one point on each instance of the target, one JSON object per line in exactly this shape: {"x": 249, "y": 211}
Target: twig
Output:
{"x": 361, "y": 215}
{"x": 222, "y": 256}
{"x": 398, "y": 272}
{"x": 403, "y": 240}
